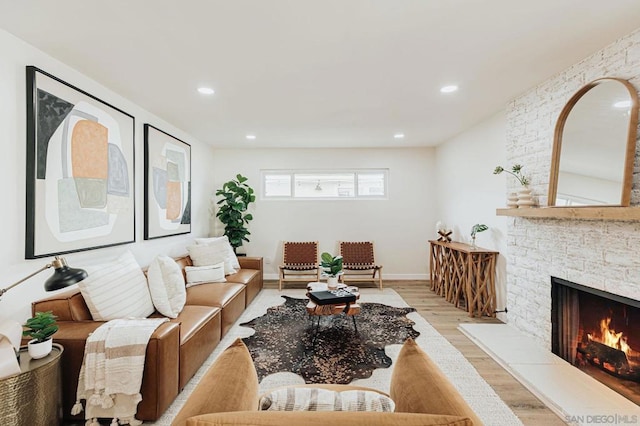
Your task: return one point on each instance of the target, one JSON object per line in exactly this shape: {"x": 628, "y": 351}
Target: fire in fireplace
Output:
{"x": 599, "y": 333}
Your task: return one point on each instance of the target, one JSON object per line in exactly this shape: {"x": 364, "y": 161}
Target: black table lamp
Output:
{"x": 63, "y": 276}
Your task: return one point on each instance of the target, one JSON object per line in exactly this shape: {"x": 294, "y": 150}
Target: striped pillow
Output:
{"x": 117, "y": 289}
{"x": 316, "y": 399}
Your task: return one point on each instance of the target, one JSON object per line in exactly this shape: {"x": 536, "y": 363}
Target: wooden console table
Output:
{"x": 461, "y": 273}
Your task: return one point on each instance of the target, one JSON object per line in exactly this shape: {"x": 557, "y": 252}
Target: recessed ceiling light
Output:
{"x": 250, "y": 137}
{"x": 206, "y": 90}
{"x": 449, "y": 89}
{"x": 622, "y": 104}
{"x": 398, "y": 136}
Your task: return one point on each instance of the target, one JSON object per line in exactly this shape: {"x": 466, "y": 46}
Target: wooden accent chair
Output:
{"x": 358, "y": 262}
{"x": 300, "y": 262}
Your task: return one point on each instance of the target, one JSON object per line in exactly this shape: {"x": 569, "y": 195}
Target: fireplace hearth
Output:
{"x": 599, "y": 333}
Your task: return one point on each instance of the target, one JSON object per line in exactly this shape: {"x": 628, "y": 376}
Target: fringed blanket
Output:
{"x": 111, "y": 373}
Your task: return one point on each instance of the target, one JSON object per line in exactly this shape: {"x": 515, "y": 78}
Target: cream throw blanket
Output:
{"x": 111, "y": 373}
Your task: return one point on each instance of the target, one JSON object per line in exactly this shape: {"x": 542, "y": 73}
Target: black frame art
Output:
{"x": 167, "y": 184}
{"x": 80, "y": 174}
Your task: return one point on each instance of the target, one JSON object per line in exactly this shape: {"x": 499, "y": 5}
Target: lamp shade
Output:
{"x": 63, "y": 276}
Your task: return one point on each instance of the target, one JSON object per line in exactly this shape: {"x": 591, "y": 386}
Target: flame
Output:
{"x": 609, "y": 337}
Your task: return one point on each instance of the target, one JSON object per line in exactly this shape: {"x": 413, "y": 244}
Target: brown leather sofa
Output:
{"x": 176, "y": 349}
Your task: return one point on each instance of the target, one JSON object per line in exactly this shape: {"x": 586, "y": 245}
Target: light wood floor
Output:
{"x": 445, "y": 318}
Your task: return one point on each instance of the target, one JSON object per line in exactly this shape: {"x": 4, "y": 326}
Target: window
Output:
{"x": 312, "y": 184}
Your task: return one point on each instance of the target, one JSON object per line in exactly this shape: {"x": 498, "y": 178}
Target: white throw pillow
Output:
{"x": 211, "y": 254}
{"x": 117, "y": 289}
{"x": 166, "y": 284}
{"x": 318, "y": 399}
{"x": 205, "y": 274}
{"x": 230, "y": 253}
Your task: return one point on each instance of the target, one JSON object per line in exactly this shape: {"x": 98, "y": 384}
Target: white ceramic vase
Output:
{"x": 332, "y": 282}
{"x": 525, "y": 199}
{"x": 39, "y": 350}
{"x": 512, "y": 200}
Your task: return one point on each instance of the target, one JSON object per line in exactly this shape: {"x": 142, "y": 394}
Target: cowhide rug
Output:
{"x": 283, "y": 341}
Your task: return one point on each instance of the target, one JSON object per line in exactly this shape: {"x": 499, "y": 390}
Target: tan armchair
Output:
{"x": 358, "y": 262}
{"x": 300, "y": 262}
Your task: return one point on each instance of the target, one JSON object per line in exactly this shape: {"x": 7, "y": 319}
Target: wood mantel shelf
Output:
{"x": 582, "y": 213}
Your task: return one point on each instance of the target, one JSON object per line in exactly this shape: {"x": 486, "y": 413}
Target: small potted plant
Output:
{"x": 332, "y": 268}
{"x": 478, "y": 227}
{"x": 40, "y": 328}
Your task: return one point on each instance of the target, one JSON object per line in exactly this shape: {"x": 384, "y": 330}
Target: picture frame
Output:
{"x": 80, "y": 174}
{"x": 167, "y": 186}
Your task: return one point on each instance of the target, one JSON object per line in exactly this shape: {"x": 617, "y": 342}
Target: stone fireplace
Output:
{"x": 599, "y": 333}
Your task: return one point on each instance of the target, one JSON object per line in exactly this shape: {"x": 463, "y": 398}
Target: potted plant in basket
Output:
{"x": 40, "y": 328}
{"x": 232, "y": 212}
{"x": 332, "y": 268}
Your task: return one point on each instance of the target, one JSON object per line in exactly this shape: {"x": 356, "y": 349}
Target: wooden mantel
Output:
{"x": 581, "y": 213}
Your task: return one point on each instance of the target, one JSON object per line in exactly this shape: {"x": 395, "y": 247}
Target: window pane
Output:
{"x": 371, "y": 184}
{"x": 277, "y": 185}
{"x": 323, "y": 185}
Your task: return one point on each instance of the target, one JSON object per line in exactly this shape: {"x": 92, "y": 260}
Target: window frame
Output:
{"x": 292, "y": 181}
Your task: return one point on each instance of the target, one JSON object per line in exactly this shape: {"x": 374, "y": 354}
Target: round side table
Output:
{"x": 33, "y": 397}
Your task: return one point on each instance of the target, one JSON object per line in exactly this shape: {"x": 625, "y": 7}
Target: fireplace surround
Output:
{"x": 599, "y": 333}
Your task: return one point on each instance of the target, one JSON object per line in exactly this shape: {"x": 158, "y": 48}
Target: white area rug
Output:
{"x": 478, "y": 394}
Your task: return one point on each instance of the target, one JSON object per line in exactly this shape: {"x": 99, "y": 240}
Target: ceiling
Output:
{"x": 320, "y": 73}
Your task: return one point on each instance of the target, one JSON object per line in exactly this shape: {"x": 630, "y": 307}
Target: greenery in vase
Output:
{"x": 236, "y": 197}
{"x": 478, "y": 227}
{"x": 331, "y": 265}
{"x": 516, "y": 171}
{"x": 41, "y": 327}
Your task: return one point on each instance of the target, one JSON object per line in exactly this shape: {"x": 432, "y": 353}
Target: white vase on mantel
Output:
{"x": 525, "y": 199}
{"x": 512, "y": 200}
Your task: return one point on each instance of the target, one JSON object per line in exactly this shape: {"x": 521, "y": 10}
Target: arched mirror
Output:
{"x": 594, "y": 146}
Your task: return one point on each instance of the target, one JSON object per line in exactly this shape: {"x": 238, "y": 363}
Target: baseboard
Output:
{"x": 399, "y": 277}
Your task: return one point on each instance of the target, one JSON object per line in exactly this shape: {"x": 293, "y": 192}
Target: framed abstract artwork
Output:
{"x": 80, "y": 169}
{"x": 167, "y": 184}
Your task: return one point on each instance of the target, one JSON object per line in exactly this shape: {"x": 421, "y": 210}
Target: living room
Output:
{"x": 452, "y": 182}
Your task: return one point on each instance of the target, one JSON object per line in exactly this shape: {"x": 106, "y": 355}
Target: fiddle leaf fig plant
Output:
{"x": 331, "y": 265}
{"x": 236, "y": 195}
{"x": 516, "y": 171}
{"x": 41, "y": 327}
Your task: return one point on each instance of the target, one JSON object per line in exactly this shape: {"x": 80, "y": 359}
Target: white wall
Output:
{"x": 399, "y": 226}
{"x": 15, "y": 56}
{"x": 468, "y": 192}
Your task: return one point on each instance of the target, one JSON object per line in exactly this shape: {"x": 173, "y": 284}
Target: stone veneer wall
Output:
{"x": 600, "y": 254}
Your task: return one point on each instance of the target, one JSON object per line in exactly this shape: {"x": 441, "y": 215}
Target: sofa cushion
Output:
{"x": 309, "y": 418}
{"x": 205, "y": 274}
{"x": 243, "y": 276}
{"x": 117, "y": 289}
{"x": 166, "y": 285}
{"x": 318, "y": 399}
{"x": 192, "y": 319}
{"x": 413, "y": 374}
{"x": 215, "y": 294}
{"x": 224, "y": 241}
{"x": 231, "y": 384}
{"x": 211, "y": 254}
